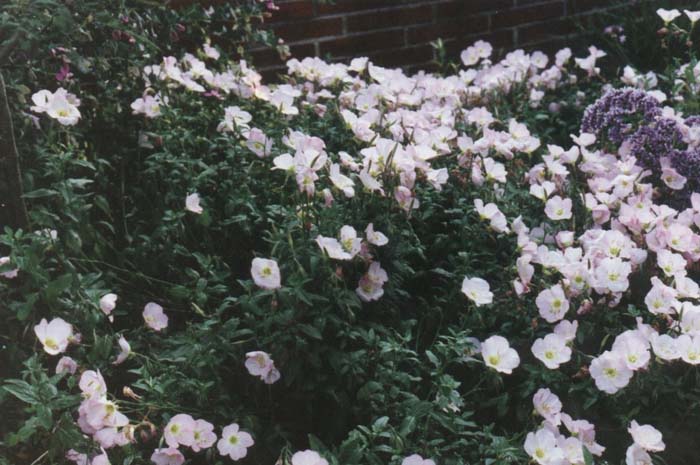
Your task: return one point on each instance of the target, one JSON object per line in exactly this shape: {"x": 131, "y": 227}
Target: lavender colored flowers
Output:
{"x": 619, "y": 112}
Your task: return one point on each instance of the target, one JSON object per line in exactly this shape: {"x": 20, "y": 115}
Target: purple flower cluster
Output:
{"x": 649, "y": 144}
{"x": 619, "y": 113}
{"x": 630, "y": 120}
{"x": 687, "y": 163}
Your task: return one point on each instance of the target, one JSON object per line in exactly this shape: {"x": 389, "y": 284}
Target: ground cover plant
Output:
{"x": 496, "y": 264}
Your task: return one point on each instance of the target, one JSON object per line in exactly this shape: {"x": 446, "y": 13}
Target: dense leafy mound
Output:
{"x": 353, "y": 266}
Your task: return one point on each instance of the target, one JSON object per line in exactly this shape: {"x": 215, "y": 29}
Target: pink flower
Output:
{"x": 180, "y": 430}
{"x": 64, "y": 73}
{"x": 647, "y": 437}
{"x": 558, "y": 208}
{"x": 416, "y": 459}
{"x": 66, "y": 365}
{"x": 92, "y": 384}
{"x": 154, "y": 317}
{"x": 371, "y": 285}
{"x": 192, "y": 204}
{"x": 102, "y": 413}
{"x": 258, "y": 143}
{"x": 75, "y": 456}
{"x": 108, "y": 302}
{"x": 54, "y": 335}
{"x": 552, "y": 304}
{"x": 167, "y": 456}
{"x": 126, "y": 350}
{"x": 308, "y": 457}
{"x": 260, "y": 364}
{"x": 375, "y": 237}
{"x": 234, "y": 443}
{"x": 204, "y": 436}
{"x": 101, "y": 459}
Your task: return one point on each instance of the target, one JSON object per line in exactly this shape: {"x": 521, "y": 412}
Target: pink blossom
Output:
{"x": 204, "y": 436}
{"x": 260, "y": 364}
{"x": 66, "y": 365}
{"x": 234, "y": 443}
{"x": 167, "y": 456}
{"x": 154, "y": 316}
{"x": 180, "y": 430}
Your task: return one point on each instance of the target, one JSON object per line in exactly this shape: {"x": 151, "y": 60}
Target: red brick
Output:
{"x": 353, "y": 6}
{"x": 518, "y": 16}
{"x": 387, "y": 19}
{"x": 403, "y": 56}
{"x": 580, "y": 6}
{"x": 448, "y": 29}
{"x": 299, "y": 31}
{"x": 297, "y": 9}
{"x": 543, "y": 31}
{"x": 458, "y": 8}
{"x": 362, "y": 43}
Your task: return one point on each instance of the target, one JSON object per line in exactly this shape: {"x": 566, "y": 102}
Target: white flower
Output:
{"x": 54, "y": 335}
{"x": 211, "y": 52}
{"x": 671, "y": 264}
{"x": 612, "y": 273}
{"x": 551, "y": 350}
{"x": 149, "y": 105}
{"x": 477, "y": 290}
{"x": 59, "y": 105}
{"x": 693, "y": 16}
{"x": 542, "y": 447}
{"x": 63, "y": 111}
{"x": 689, "y": 348}
{"x": 558, "y": 208}
{"x": 633, "y": 349}
{"x": 266, "y": 273}
{"x": 497, "y": 354}
{"x": 664, "y": 346}
{"x": 416, "y": 459}
{"x": 342, "y": 182}
{"x": 567, "y": 330}
{"x": 308, "y": 457}
{"x": 108, "y": 303}
{"x": 668, "y": 15}
{"x": 490, "y": 212}
{"x": 192, "y": 204}
{"x": 661, "y": 299}
{"x": 637, "y": 456}
{"x": 125, "y": 351}
{"x": 234, "y": 443}
{"x": 375, "y": 237}
{"x": 547, "y": 405}
{"x": 647, "y": 437}
{"x": 610, "y": 372}
{"x": 552, "y": 304}
{"x": 346, "y": 248}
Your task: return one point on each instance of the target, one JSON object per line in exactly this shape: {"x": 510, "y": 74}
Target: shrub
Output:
{"x": 352, "y": 266}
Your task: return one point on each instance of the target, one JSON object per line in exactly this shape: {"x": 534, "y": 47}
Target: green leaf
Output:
{"x": 21, "y": 390}
{"x": 40, "y": 193}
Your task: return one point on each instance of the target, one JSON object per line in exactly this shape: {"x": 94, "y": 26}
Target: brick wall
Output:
{"x": 397, "y": 33}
